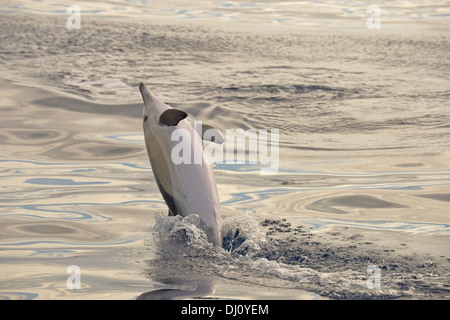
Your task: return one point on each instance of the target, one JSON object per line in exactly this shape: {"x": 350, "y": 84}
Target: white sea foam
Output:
{"x": 245, "y": 241}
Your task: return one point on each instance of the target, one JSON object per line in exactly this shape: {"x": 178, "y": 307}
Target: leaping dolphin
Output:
{"x": 187, "y": 188}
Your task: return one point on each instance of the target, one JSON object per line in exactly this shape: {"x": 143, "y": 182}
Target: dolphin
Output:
{"x": 187, "y": 188}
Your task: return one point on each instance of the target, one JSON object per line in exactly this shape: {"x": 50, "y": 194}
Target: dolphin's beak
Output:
{"x": 148, "y": 98}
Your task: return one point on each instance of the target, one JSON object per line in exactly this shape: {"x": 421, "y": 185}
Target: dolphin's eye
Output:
{"x": 145, "y": 117}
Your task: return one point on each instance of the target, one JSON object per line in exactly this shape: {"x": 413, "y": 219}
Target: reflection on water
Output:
{"x": 58, "y": 210}
{"x": 54, "y": 181}
{"x": 364, "y": 176}
{"x": 314, "y": 13}
{"x": 197, "y": 290}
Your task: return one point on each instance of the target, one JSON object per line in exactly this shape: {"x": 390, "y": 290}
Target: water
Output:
{"x": 363, "y": 117}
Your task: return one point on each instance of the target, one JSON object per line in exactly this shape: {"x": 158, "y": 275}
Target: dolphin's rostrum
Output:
{"x": 187, "y": 188}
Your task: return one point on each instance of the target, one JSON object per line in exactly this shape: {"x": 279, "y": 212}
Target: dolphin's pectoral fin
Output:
{"x": 210, "y": 133}
{"x": 171, "y": 117}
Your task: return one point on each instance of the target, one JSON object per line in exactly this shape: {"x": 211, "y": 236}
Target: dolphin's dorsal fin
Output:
{"x": 171, "y": 117}
{"x": 210, "y": 133}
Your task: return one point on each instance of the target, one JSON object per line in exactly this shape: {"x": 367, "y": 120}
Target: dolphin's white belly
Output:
{"x": 196, "y": 183}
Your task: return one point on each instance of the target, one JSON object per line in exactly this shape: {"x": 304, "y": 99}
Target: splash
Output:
{"x": 247, "y": 248}
{"x": 264, "y": 258}
{"x": 179, "y": 229}
{"x": 243, "y": 235}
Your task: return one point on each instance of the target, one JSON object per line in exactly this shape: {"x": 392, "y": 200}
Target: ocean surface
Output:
{"x": 359, "y": 205}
